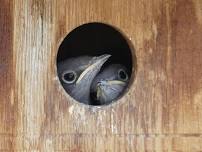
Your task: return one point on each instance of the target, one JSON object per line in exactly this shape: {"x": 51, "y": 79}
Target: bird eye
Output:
{"x": 122, "y": 75}
{"x": 69, "y": 77}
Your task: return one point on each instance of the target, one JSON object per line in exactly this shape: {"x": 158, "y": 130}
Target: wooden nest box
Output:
{"x": 162, "y": 109}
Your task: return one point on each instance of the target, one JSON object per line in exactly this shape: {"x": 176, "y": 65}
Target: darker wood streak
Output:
{"x": 7, "y": 108}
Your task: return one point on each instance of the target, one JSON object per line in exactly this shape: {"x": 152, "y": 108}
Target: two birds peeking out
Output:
{"x": 86, "y": 81}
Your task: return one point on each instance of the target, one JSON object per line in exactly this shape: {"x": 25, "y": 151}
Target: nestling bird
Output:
{"x": 77, "y": 74}
{"x": 109, "y": 84}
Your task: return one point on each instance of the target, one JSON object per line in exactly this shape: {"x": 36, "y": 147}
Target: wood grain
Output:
{"x": 8, "y": 112}
{"x": 162, "y": 111}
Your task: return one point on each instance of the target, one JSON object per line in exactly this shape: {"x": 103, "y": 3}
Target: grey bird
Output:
{"x": 76, "y": 75}
{"x": 109, "y": 84}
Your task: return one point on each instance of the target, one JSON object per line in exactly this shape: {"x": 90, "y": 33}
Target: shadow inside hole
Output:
{"x": 94, "y": 39}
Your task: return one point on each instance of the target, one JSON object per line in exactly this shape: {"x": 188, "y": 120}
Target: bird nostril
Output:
{"x": 99, "y": 84}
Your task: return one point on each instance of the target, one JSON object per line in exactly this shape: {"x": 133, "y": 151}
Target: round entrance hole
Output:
{"x": 94, "y": 64}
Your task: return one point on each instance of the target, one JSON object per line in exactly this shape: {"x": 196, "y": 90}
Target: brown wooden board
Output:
{"x": 162, "y": 110}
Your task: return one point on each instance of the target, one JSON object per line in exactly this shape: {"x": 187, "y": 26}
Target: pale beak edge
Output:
{"x": 98, "y": 63}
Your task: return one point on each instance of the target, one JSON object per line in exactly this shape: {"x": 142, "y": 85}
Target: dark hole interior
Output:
{"x": 94, "y": 39}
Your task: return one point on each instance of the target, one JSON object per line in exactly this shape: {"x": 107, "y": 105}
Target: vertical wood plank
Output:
{"x": 8, "y": 112}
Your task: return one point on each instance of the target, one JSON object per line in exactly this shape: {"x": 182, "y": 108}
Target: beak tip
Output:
{"x": 95, "y": 66}
{"x": 103, "y": 58}
{"x": 108, "y": 55}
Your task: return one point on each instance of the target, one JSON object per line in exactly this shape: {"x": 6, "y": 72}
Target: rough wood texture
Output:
{"x": 162, "y": 111}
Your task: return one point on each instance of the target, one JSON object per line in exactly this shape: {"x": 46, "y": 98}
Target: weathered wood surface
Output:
{"x": 162, "y": 111}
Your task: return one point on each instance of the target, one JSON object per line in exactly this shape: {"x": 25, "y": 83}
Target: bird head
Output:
{"x": 109, "y": 84}
{"x": 76, "y": 75}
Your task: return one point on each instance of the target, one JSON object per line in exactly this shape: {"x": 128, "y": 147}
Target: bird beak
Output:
{"x": 94, "y": 67}
{"x": 115, "y": 82}
{"x": 109, "y": 84}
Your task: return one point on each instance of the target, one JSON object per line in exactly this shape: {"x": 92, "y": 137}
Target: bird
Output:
{"x": 110, "y": 83}
{"x": 77, "y": 73}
